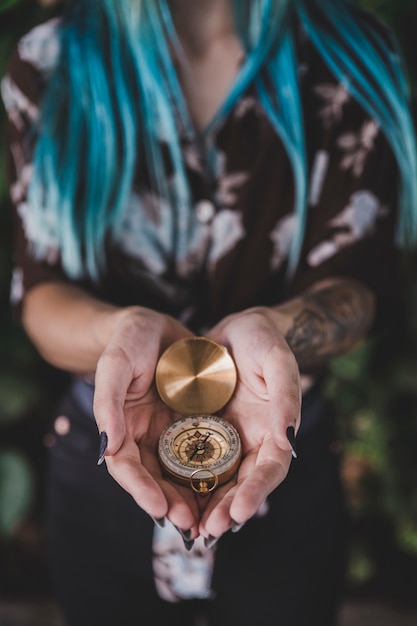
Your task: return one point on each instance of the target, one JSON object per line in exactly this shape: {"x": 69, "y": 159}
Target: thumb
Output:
{"x": 112, "y": 380}
{"x": 283, "y": 383}
{"x": 109, "y": 416}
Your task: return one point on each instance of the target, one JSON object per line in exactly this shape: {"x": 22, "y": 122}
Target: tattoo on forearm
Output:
{"x": 331, "y": 322}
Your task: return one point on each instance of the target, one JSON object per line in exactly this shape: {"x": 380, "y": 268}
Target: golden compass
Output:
{"x": 196, "y": 376}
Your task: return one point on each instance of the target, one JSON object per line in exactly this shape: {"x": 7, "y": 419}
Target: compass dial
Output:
{"x": 201, "y": 451}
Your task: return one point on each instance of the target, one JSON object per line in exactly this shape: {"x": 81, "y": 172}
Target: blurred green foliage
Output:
{"x": 374, "y": 389}
{"x": 16, "y": 489}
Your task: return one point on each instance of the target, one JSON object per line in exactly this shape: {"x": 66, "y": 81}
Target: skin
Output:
{"x": 212, "y": 54}
{"x": 271, "y": 346}
{"x": 75, "y": 332}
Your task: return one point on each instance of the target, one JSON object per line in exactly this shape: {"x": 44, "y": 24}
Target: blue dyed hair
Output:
{"x": 111, "y": 96}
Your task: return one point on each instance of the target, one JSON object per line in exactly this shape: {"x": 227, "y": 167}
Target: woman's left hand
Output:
{"x": 266, "y": 402}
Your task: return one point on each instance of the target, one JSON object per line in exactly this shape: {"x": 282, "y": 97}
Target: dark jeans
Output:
{"x": 286, "y": 568}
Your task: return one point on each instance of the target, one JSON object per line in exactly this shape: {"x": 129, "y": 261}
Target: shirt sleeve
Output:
{"x": 353, "y": 191}
{"x": 21, "y": 89}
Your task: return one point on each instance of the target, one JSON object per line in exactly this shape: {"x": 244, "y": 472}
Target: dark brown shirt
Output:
{"x": 241, "y": 224}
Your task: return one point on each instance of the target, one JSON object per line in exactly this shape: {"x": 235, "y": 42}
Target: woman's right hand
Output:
{"x": 127, "y": 407}
{"x": 79, "y": 333}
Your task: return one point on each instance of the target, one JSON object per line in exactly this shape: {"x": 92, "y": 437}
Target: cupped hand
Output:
{"x": 128, "y": 408}
{"x": 267, "y": 401}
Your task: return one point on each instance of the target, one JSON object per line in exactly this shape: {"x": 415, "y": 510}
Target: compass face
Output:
{"x": 201, "y": 451}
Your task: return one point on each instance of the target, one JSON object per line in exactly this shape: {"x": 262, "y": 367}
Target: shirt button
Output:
{"x": 205, "y": 211}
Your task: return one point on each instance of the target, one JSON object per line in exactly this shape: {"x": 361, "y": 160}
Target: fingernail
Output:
{"x": 210, "y": 541}
{"x": 185, "y": 534}
{"x": 235, "y": 527}
{"x": 103, "y": 447}
{"x": 160, "y": 522}
{"x": 291, "y": 439}
{"x": 188, "y": 544}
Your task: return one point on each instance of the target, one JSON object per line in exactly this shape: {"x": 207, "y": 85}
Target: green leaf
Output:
{"x": 16, "y": 490}
{"x": 407, "y": 535}
{"x": 7, "y": 4}
{"x": 17, "y": 396}
{"x": 361, "y": 566}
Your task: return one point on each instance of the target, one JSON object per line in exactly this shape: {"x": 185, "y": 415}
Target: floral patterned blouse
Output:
{"x": 242, "y": 222}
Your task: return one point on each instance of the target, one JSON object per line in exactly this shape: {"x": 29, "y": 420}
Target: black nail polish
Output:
{"x": 185, "y": 534}
{"x": 188, "y": 544}
{"x": 210, "y": 541}
{"x": 103, "y": 447}
{"x": 160, "y": 521}
{"x": 291, "y": 439}
{"x": 235, "y": 527}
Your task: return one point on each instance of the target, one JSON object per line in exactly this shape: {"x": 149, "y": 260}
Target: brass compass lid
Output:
{"x": 195, "y": 375}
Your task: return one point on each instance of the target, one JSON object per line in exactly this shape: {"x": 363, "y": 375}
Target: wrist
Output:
{"x": 134, "y": 321}
{"x": 282, "y": 317}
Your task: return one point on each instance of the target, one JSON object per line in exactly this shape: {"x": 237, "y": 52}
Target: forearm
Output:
{"x": 327, "y": 321}
{"x": 69, "y": 328}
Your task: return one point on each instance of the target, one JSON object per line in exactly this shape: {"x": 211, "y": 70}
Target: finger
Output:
{"x": 183, "y": 509}
{"x": 126, "y": 468}
{"x": 258, "y": 480}
{"x": 110, "y": 396}
{"x": 259, "y": 474}
{"x": 282, "y": 379}
{"x": 216, "y": 519}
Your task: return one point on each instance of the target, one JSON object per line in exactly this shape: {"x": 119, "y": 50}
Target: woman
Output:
{"x": 234, "y": 170}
